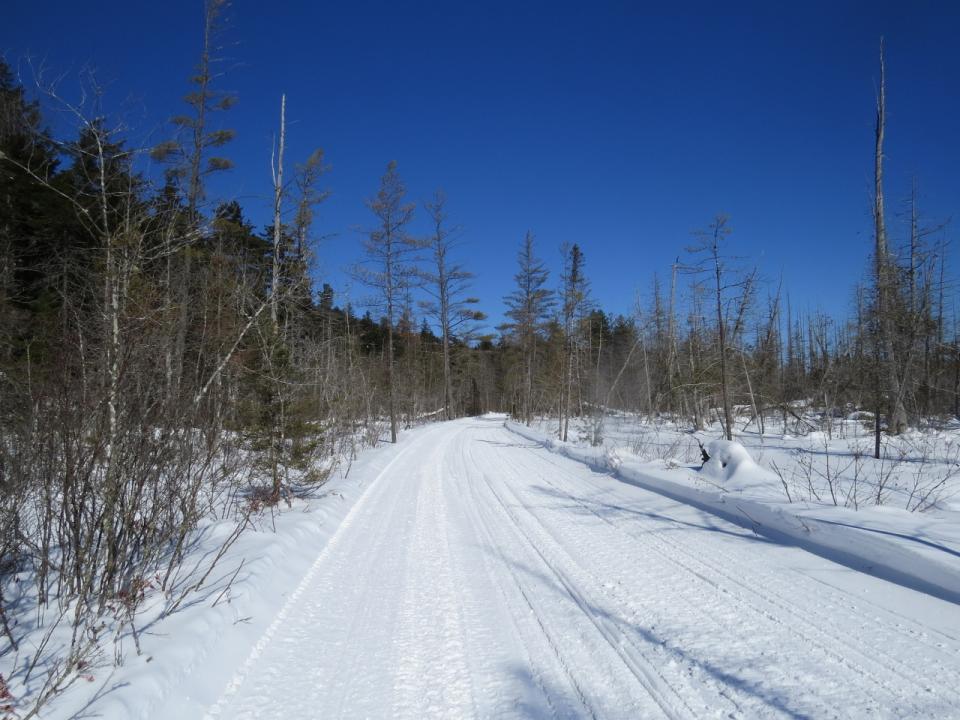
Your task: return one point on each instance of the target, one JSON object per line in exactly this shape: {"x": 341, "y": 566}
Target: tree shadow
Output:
{"x": 643, "y": 640}
{"x": 903, "y": 536}
{"x": 103, "y": 691}
{"x": 529, "y": 688}
{"x": 605, "y": 510}
{"x": 495, "y": 443}
{"x": 783, "y": 701}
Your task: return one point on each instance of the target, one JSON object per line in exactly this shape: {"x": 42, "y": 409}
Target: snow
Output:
{"x": 188, "y": 656}
{"x": 473, "y": 572}
{"x": 919, "y": 550}
{"x": 728, "y": 460}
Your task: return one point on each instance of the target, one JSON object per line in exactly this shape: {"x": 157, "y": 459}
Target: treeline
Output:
{"x": 717, "y": 345}
{"x": 711, "y": 345}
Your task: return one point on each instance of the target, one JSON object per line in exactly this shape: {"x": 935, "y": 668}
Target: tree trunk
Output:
{"x": 277, "y": 216}
{"x": 722, "y": 333}
{"x": 897, "y": 421}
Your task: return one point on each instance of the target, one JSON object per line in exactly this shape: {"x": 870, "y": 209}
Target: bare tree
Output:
{"x": 885, "y": 276}
{"x": 448, "y": 284}
{"x": 728, "y": 329}
{"x": 276, "y": 168}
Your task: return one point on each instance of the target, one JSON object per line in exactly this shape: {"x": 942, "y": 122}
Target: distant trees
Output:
{"x": 715, "y": 354}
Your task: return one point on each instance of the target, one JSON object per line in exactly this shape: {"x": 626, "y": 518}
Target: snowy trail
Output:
{"x": 481, "y": 576}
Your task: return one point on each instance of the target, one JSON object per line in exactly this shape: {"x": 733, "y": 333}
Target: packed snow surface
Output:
{"x": 479, "y": 575}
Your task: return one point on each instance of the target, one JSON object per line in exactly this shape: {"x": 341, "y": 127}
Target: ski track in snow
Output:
{"x": 479, "y": 576}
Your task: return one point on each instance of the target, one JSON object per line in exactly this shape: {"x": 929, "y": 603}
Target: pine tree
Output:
{"x": 29, "y": 212}
{"x": 191, "y": 162}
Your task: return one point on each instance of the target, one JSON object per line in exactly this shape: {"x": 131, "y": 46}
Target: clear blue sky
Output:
{"x": 622, "y": 126}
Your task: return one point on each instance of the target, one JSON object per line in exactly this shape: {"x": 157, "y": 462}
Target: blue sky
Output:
{"x": 621, "y": 126}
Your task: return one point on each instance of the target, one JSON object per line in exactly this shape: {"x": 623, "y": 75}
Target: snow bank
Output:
{"x": 911, "y": 549}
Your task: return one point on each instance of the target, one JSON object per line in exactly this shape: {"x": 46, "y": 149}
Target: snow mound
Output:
{"x": 729, "y": 459}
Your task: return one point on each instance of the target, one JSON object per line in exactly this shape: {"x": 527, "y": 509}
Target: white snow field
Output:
{"x": 478, "y": 575}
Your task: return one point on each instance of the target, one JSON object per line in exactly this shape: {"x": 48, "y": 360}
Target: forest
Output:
{"x": 163, "y": 360}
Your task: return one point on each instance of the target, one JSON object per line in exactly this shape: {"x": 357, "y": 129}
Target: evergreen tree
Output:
{"x": 190, "y": 163}
{"x": 528, "y": 307}
{"x": 28, "y": 209}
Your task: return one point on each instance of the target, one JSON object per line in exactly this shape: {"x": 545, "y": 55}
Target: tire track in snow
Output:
{"x": 905, "y": 627}
{"x": 430, "y": 608}
{"x": 504, "y": 694}
{"x": 722, "y": 618}
{"x": 666, "y": 694}
{"x": 756, "y": 581}
{"x": 240, "y": 677}
{"x": 544, "y": 684}
{"x": 880, "y": 676}
{"x": 473, "y": 580}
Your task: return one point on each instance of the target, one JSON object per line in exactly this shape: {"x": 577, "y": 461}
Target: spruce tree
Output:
{"x": 528, "y": 307}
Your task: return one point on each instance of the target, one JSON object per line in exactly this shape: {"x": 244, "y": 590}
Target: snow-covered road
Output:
{"x": 480, "y": 576}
